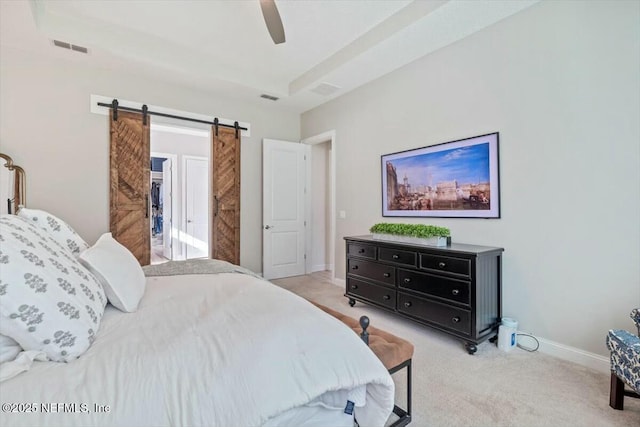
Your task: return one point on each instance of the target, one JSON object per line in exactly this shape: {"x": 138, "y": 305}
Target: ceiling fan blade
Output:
{"x": 273, "y": 21}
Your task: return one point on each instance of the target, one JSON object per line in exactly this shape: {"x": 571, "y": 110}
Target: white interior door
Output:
{"x": 196, "y": 207}
{"x": 283, "y": 223}
{"x": 167, "y": 212}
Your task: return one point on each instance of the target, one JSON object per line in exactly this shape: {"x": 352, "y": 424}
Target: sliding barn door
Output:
{"x": 129, "y": 194}
{"x": 225, "y": 224}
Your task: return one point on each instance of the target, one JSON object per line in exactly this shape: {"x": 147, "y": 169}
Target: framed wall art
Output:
{"x": 453, "y": 179}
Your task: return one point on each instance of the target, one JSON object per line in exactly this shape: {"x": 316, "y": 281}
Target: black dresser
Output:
{"x": 455, "y": 289}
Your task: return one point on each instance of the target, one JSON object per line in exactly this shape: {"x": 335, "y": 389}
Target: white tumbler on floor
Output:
{"x": 507, "y": 334}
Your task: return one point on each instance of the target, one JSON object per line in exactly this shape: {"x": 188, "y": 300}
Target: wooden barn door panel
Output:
{"x": 129, "y": 192}
{"x": 225, "y": 229}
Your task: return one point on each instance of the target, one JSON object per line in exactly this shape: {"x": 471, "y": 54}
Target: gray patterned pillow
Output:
{"x": 57, "y": 228}
{"x": 48, "y": 300}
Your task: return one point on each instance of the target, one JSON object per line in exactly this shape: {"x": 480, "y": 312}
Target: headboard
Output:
{"x": 13, "y": 191}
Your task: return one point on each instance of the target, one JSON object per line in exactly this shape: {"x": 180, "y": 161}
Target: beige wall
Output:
{"x": 561, "y": 82}
{"x": 46, "y": 126}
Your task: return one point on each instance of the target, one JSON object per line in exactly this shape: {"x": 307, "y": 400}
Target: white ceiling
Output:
{"x": 224, "y": 47}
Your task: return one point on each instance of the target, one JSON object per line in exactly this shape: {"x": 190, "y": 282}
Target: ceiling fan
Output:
{"x": 273, "y": 21}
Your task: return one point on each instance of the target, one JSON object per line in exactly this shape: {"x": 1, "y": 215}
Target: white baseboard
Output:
{"x": 319, "y": 267}
{"x": 576, "y": 355}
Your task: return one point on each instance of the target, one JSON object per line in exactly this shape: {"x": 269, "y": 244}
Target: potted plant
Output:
{"x": 412, "y": 233}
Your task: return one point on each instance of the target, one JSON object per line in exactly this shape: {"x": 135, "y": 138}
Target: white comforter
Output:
{"x": 209, "y": 350}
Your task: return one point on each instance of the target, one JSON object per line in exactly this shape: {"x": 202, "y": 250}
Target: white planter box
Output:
{"x": 429, "y": 241}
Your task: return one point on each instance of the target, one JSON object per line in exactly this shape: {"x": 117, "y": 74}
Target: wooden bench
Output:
{"x": 395, "y": 353}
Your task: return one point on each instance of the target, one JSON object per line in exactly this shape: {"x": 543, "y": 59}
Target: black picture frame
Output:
{"x": 455, "y": 179}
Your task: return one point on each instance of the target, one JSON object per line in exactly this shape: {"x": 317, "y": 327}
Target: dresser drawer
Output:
{"x": 398, "y": 256}
{"x": 371, "y": 270}
{"x": 374, "y": 293}
{"x": 443, "y": 315}
{"x": 441, "y": 287}
{"x": 460, "y": 266}
{"x": 360, "y": 250}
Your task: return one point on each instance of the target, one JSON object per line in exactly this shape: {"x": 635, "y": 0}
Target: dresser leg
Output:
{"x": 471, "y": 347}
{"x": 493, "y": 339}
{"x": 352, "y": 302}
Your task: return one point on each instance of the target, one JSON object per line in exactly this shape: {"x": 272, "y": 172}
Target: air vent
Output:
{"x": 70, "y": 46}
{"x": 269, "y": 97}
{"x": 325, "y": 89}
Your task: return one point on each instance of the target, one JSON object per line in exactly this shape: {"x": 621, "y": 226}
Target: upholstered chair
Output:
{"x": 625, "y": 363}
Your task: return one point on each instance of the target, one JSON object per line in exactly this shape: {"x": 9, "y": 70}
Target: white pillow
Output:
{"x": 57, "y": 228}
{"x": 118, "y": 270}
{"x": 48, "y": 301}
{"x": 9, "y": 349}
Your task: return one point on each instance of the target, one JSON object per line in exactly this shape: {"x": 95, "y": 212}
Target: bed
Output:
{"x": 191, "y": 343}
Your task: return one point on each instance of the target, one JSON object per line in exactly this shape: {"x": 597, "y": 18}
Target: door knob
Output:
{"x": 266, "y": 227}
{"x": 189, "y": 221}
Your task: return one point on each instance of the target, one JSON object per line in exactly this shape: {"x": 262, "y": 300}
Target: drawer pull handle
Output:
{"x": 455, "y": 292}
{"x": 386, "y": 297}
{"x": 442, "y": 264}
{"x": 394, "y": 256}
{"x": 407, "y": 304}
{"x": 387, "y": 275}
{"x": 355, "y": 267}
{"x": 361, "y": 251}
{"x": 354, "y": 286}
{"x": 456, "y": 319}
{"x": 407, "y": 280}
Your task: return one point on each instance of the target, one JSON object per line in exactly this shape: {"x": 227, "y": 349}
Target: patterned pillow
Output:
{"x": 48, "y": 300}
{"x": 57, "y": 228}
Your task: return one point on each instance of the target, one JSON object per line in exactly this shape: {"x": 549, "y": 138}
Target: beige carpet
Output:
{"x": 490, "y": 388}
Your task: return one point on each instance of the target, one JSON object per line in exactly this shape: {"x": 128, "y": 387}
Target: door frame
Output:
{"x": 174, "y": 203}
{"x": 183, "y": 211}
{"x": 328, "y": 136}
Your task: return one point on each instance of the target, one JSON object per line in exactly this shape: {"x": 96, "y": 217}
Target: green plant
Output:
{"x": 415, "y": 230}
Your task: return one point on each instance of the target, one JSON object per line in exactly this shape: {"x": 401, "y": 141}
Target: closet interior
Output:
{"x": 155, "y": 196}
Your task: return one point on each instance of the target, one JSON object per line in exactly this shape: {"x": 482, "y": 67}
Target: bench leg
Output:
{"x": 404, "y": 416}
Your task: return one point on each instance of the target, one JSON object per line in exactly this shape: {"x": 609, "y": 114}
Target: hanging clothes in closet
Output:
{"x": 156, "y": 207}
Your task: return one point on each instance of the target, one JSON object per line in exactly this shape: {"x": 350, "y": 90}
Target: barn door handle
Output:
{"x": 215, "y": 197}
{"x": 146, "y": 205}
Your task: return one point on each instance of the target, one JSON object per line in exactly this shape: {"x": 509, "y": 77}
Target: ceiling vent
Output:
{"x": 269, "y": 97}
{"x": 326, "y": 89}
{"x": 70, "y": 46}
